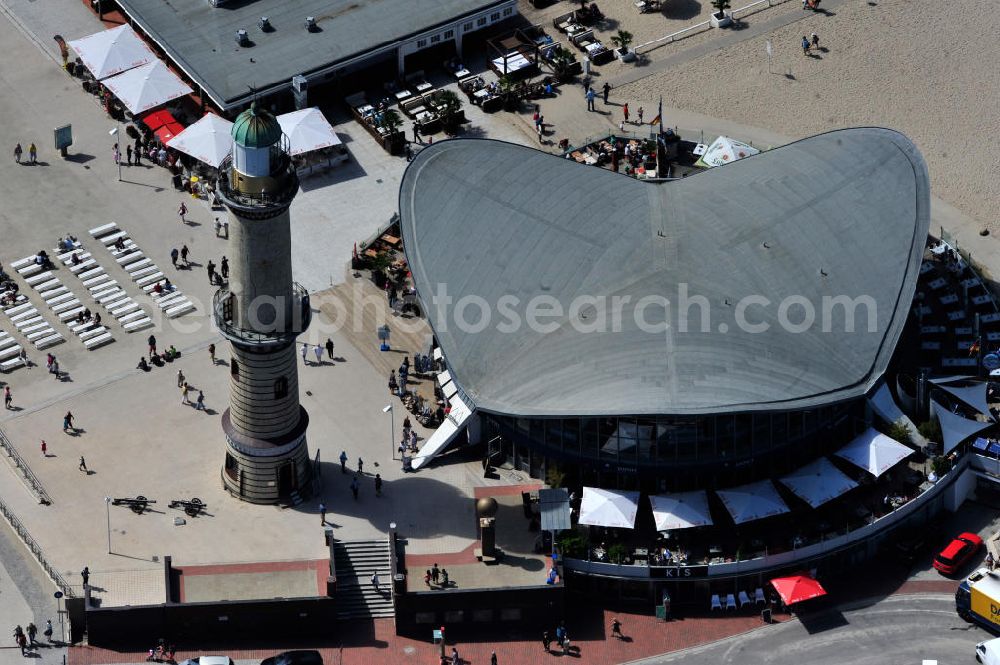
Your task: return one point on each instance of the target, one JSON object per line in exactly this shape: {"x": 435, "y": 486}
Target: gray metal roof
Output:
{"x": 202, "y": 39}
{"x": 842, "y": 213}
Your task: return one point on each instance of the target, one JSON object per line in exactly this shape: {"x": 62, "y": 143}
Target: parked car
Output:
{"x": 304, "y": 657}
{"x": 957, "y": 553}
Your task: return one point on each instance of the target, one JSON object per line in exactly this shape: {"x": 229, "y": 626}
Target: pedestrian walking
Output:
{"x": 305, "y": 353}
{"x": 616, "y": 628}
{"x": 329, "y": 348}
{"x": 211, "y": 352}
{"x": 152, "y": 345}
{"x": 32, "y": 630}
{"x": 32, "y": 154}
{"x": 493, "y": 658}
{"x": 375, "y": 581}
{"x": 378, "y": 485}
{"x": 184, "y": 255}
{"x": 322, "y": 514}
{"x": 7, "y": 397}
{"x": 427, "y": 579}
{"x": 68, "y": 422}
{"x": 639, "y": 114}
{"x": 85, "y": 574}
{"x": 45, "y": 449}
{"x": 361, "y": 464}
{"x": 185, "y": 389}
{"x": 200, "y": 404}
{"x": 416, "y": 133}
{"x": 621, "y": 126}
{"x": 128, "y": 153}
{"x": 173, "y": 256}
{"x": 180, "y": 378}
{"x": 318, "y": 351}
{"x": 48, "y": 630}
{"x": 22, "y": 641}
{"x": 455, "y": 659}
{"x": 625, "y": 111}
{"x": 815, "y": 40}
{"x": 211, "y": 272}
{"x": 354, "y": 488}
{"x": 138, "y": 152}
{"x": 83, "y": 465}
{"x": 224, "y": 267}
{"x": 17, "y": 153}
{"x": 181, "y": 211}
{"x": 560, "y": 634}
{"x": 805, "y": 45}
{"x": 606, "y": 90}
{"x": 343, "y": 461}
{"x": 435, "y": 573}
{"x": 444, "y": 577}
{"x": 565, "y": 645}
{"x": 590, "y": 99}
{"x": 541, "y": 134}
{"x": 116, "y": 153}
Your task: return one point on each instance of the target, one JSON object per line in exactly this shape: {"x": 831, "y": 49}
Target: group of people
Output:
{"x": 32, "y": 153}
{"x": 437, "y": 577}
{"x": 26, "y": 637}
{"x": 562, "y": 639}
{"x": 86, "y": 316}
{"x": 317, "y": 351}
{"x": 158, "y": 359}
{"x": 162, "y": 653}
{"x": 220, "y": 277}
{"x": 810, "y": 43}
{"x": 52, "y": 365}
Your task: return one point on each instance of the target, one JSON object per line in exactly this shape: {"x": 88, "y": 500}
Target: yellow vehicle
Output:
{"x": 978, "y": 599}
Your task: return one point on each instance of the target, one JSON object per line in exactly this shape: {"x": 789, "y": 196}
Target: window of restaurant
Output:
{"x": 466, "y": 27}
{"x": 627, "y": 439}
{"x": 589, "y": 437}
{"x": 508, "y": 11}
{"x": 449, "y": 34}
{"x": 435, "y": 39}
{"x": 421, "y": 43}
{"x": 571, "y": 436}
{"x": 495, "y": 16}
{"x": 608, "y": 438}
{"x": 481, "y": 21}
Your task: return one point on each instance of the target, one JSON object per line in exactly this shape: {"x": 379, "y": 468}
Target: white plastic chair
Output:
{"x": 716, "y": 605}
{"x": 759, "y": 596}
{"x": 744, "y": 599}
{"x": 730, "y": 601}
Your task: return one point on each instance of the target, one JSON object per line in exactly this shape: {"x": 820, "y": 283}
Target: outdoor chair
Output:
{"x": 759, "y": 596}
{"x": 716, "y": 605}
{"x": 730, "y": 601}
{"x": 744, "y": 599}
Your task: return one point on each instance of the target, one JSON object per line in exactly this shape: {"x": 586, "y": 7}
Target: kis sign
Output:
{"x": 678, "y": 572}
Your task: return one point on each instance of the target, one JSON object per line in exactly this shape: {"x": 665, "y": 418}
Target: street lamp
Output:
{"x": 107, "y": 505}
{"x": 114, "y": 132}
{"x": 392, "y": 430}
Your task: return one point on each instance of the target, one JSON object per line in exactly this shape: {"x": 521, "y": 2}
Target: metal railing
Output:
{"x": 284, "y": 173}
{"x": 301, "y": 318}
{"x": 36, "y": 550}
{"x": 27, "y": 475}
{"x": 705, "y": 25}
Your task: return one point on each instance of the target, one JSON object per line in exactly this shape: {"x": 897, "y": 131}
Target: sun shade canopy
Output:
{"x": 601, "y": 507}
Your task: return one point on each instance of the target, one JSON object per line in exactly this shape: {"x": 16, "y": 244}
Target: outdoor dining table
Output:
{"x": 957, "y": 315}
{"x": 925, "y": 267}
{"x": 980, "y": 300}
{"x": 949, "y": 299}
{"x": 938, "y": 283}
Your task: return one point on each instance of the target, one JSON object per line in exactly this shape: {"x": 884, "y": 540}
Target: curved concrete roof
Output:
{"x": 843, "y": 213}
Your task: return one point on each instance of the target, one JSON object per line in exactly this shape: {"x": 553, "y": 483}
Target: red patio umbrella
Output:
{"x": 796, "y": 588}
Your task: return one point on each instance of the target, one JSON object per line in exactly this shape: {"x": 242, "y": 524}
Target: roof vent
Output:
{"x": 242, "y": 38}
{"x": 265, "y": 24}
{"x": 311, "y": 23}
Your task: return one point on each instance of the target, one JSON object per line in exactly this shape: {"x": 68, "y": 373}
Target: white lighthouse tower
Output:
{"x": 261, "y": 312}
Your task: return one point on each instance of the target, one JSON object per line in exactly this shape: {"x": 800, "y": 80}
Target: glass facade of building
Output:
{"x": 669, "y": 453}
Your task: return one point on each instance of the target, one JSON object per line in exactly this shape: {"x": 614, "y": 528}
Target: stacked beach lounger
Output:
{"x": 142, "y": 270}
{"x": 10, "y": 353}
{"x": 105, "y": 290}
{"x": 62, "y": 302}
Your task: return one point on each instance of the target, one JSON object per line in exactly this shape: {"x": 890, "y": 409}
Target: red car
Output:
{"x": 957, "y": 554}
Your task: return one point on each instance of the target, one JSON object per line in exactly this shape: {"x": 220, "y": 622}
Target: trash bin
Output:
{"x": 666, "y": 606}
{"x": 765, "y": 615}
{"x": 586, "y": 66}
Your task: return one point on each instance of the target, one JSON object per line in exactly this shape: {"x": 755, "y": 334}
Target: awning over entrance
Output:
{"x": 818, "y": 482}
{"x": 683, "y": 510}
{"x": 874, "y": 452}
{"x": 753, "y": 502}
{"x": 601, "y": 507}
{"x": 955, "y": 428}
{"x": 797, "y": 588}
{"x": 553, "y": 504}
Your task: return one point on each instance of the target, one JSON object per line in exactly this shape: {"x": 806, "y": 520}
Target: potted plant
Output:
{"x": 380, "y": 265}
{"x": 722, "y": 16}
{"x": 564, "y": 63}
{"x": 450, "y": 107}
{"x": 622, "y": 41}
{"x": 617, "y": 553}
{"x": 508, "y": 93}
{"x": 899, "y": 431}
{"x": 389, "y": 128}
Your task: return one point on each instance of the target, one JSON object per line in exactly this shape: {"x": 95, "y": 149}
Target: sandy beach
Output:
{"x": 926, "y": 69}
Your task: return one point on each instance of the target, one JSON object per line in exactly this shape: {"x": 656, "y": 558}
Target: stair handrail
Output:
{"x": 29, "y": 477}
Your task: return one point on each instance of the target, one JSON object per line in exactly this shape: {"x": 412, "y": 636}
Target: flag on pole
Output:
{"x": 974, "y": 348}
{"x": 658, "y": 120}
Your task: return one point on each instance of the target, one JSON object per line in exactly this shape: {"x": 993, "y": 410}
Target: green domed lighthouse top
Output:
{"x": 256, "y": 128}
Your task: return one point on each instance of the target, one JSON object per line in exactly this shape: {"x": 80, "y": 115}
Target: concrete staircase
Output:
{"x": 356, "y": 560}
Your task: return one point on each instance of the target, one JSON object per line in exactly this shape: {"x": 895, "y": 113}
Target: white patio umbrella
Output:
{"x": 113, "y": 51}
{"x": 307, "y": 130}
{"x": 209, "y": 140}
{"x": 818, "y": 482}
{"x": 725, "y": 150}
{"x": 874, "y": 452}
{"x": 752, "y": 502}
{"x": 147, "y": 87}
{"x": 608, "y": 508}
{"x": 680, "y": 511}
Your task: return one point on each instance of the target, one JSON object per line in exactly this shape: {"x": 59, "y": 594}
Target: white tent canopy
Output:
{"x": 209, "y": 140}
{"x": 680, "y": 511}
{"x": 112, "y": 51}
{"x": 725, "y": 150}
{"x": 874, "y": 452}
{"x": 147, "y": 87}
{"x": 307, "y": 130}
{"x": 752, "y": 502}
{"x": 955, "y": 428}
{"x": 818, "y": 482}
{"x": 608, "y": 508}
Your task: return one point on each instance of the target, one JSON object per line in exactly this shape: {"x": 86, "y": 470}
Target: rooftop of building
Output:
{"x": 844, "y": 213}
{"x": 201, "y": 39}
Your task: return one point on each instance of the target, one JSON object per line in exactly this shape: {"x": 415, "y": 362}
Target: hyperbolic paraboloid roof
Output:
{"x": 755, "y": 243}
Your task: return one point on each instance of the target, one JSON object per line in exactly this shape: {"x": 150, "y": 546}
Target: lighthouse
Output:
{"x": 261, "y": 311}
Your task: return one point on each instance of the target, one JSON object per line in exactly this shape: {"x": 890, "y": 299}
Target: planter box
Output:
{"x": 624, "y": 56}
{"x": 721, "y": 19}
